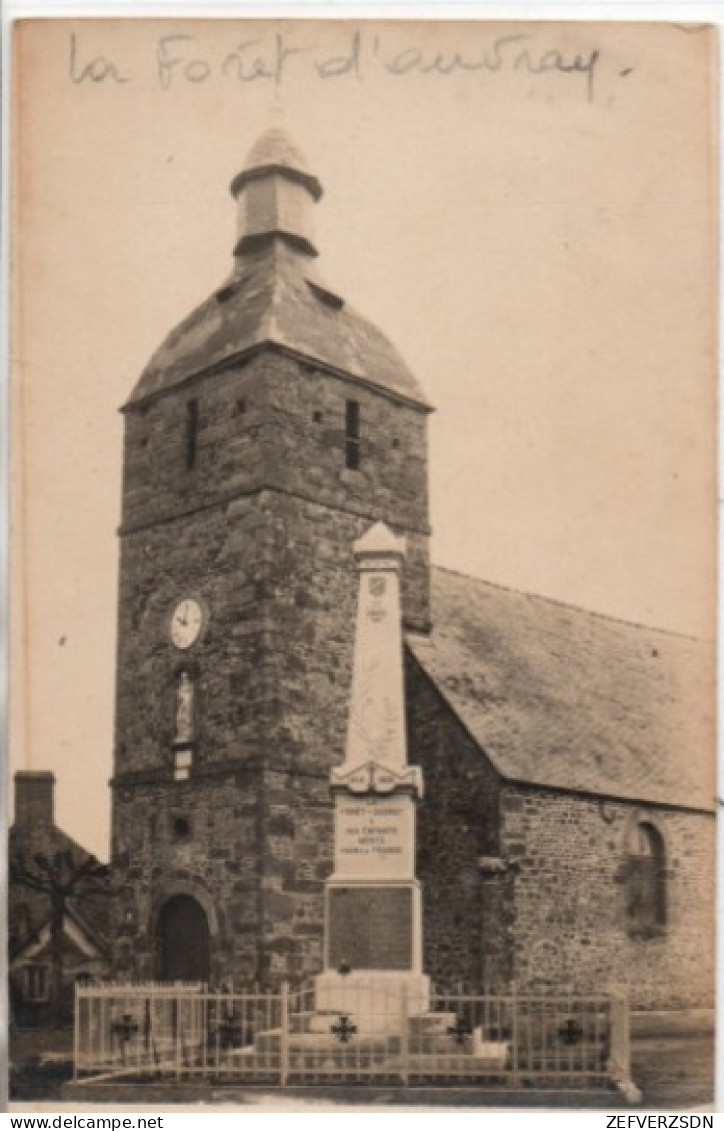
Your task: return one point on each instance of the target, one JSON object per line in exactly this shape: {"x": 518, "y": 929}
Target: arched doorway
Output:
{"x": 183, "y": 941}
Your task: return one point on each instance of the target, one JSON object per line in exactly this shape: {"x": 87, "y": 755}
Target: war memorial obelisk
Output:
{"x": 373, "y": 906}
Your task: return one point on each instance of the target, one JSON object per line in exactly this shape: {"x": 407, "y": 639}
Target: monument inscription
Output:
{"x": 370, "y": 928}
{"x": 375, "y": 836}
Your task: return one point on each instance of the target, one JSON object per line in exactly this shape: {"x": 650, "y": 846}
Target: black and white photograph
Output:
{"x": 363, "y": 471}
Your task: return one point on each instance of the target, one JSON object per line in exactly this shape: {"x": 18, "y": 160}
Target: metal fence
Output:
{"x": 280, "y": 1037}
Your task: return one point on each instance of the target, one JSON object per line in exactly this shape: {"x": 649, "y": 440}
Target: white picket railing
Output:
{"x": 280, "y": 1037}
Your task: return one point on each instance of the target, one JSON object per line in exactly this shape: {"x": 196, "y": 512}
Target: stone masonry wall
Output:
{"x": 218, "y": 556}
{"x": 260, "y": 530}
{"x": 272, "y": 421}
{"x": 265, "y": 911}
{"x": 217, "y": 862}
{"x": 272, "y": 564}
{"x": 306, "y": 412}
{"x": 570, "y": 898}
{"x": 465, "y": 892}
{"x": 297, "y": 821}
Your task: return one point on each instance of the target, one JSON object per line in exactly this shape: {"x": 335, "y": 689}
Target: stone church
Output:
{"x": 566, "y": 836}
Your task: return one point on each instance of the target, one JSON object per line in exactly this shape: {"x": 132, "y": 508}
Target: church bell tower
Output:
{"x": 268, "y": 432}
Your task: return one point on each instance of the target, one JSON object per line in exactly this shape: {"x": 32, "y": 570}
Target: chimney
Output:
{"x": 34, "y": 800}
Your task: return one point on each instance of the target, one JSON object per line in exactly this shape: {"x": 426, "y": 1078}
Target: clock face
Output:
{"x": 187, "y": 620}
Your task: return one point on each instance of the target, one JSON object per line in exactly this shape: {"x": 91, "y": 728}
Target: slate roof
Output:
{"x": 95, "y": 939}
{"x": 276, "y": 298}
{"x": 558, "y": 696}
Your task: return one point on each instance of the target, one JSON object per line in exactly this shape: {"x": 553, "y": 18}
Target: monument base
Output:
{"x": 375, "y": 1001}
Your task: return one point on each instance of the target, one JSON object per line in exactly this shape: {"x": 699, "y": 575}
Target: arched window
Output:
{"x": 646, "y": 880}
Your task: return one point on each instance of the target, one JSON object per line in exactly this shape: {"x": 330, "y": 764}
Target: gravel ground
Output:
{"x": 674, "y": 1073}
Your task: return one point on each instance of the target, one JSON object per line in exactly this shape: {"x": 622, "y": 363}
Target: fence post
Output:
{"x": 405, "y": 1037}
{"x": 620, "y": 1054}
{"x": 204, "y": 1026}
{"x": 176, "y": 1015}
{"x": 514, "y": 1034}
{"x": 284, "y": 1036}
{"x": 76, "y": 1027}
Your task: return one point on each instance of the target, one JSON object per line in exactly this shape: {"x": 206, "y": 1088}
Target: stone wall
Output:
{"x": 272, "y": 421}
{"x": 216, "y": 862}
{"x": 465, "y": 897}
{"x": 297, "y": 826}
{"x": 260, "y": 530}
{"x": 529, "y": 884}
{"x": 218, "y": 555}
{"x": 252, "y": 848}
{"x": 571, "y": 922}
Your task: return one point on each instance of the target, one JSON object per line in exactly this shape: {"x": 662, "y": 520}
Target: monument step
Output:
{"x": 426, "y": 1023}
{"x": 311, "y": 1020}
{"x": 323, "y": 1023}
{"x": 441, "y": 1045}
{"x": 269, "y": 1041}
{"x": 447, "y": 1066}
{"x": 367, "y": 1042}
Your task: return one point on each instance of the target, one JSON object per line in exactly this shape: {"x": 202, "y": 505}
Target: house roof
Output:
{"x": 49, "y": 840}
{"x": 557, "y": 696}
{"x": 78, "y": 936}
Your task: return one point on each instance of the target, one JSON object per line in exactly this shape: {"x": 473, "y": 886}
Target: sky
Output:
{"x": 526, "y": 210}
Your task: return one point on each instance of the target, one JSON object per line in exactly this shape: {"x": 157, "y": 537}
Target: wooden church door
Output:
{"x": 183, "y": 940}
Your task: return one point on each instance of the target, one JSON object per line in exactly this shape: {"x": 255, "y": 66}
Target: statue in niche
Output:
{"x": 185, "y": 704}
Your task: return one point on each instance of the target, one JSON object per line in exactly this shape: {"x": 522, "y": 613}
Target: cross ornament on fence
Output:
{"x": 229, "y": 1031}
{"x": 459, "y": 1031}
{"x": 344, "y": 1030}
{"x": 162, "y": 1030}
{"x": 571, "y": 1032}
{"x": 125, "y": 1028}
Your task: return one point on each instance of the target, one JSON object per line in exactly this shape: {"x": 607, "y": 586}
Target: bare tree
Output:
{"x": 60, "y": 877}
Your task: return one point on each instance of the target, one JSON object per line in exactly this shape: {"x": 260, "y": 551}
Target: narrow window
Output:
{"x": 352, "y": 435}
{"x": 192, "y": 432}
{"x": 646, "y": 887}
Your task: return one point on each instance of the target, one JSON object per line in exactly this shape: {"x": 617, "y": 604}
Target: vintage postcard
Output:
{"x": 363, "y": 537}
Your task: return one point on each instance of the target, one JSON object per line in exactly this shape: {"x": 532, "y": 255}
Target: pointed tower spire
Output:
{"x": 273, "y": 293}
{"x": 274, "y": 191}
